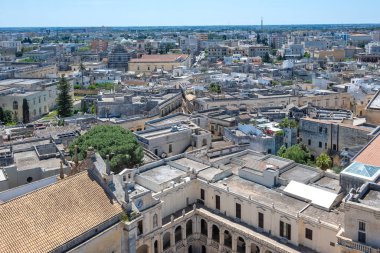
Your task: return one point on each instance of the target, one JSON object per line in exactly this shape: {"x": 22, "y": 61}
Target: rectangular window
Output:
{"x": 238, "y": 211}
{"x": 309, "y": 234}
{"x": 361, "y": 237}
{"x": 285, "y": 230}
{"x": 202, "y": 194}
{"x": 361, "y": 226}
{"x": 320, "y": 144}
{"x": 309, "y": 142}
{"x": 334, "y": 147}
{"x": 325, "y": 145}
{"x": 217, "y": 202}
{"x": 361, "y": 233}
{"x": 261, "y": 220}
{"x": 170, "y": 148}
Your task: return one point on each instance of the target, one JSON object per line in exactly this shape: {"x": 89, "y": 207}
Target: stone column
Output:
{"x": 248, "y": 247}
{"x": 184, "y": 234}
{"x": 221, "y": 238}
{"x": 234, "y": 242}
{"x": 209, "y": 233}
{"x": 172, "y": 237}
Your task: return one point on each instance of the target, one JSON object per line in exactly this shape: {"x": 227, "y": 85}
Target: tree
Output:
{"x": 258, "y": 38}
{"x": 297, "y": 153}
{"x": 64, "y": 99}
{"x": 324, "y": 161}
{"x": 286, "y": 123}
{"x": 1, "y": 114}
{"x": 215, "y": 88}
{"x": 266, "y": 57}
{"x": 15, "y": 117}
{"x": 119, "y": 143}
{"x": 82, "y": 69}
{"x": 25, "y": 111}
{"x": 306, "y": 55}
{"x": 7, "y": 117}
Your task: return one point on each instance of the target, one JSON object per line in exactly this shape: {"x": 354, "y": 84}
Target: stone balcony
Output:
{"x": 347, "y": 243}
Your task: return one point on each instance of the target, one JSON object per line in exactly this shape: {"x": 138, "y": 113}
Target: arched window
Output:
{"x": 215, "y": 233}
{"x": 155, "y": 220}
{"x": 178, "y": 234}
{"x": 189, "y": 228}
{"x": 166, "y": 241}
{"x": 203, "y": 227}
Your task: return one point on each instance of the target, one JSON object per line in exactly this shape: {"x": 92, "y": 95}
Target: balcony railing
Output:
{"x": 348, "y": 243}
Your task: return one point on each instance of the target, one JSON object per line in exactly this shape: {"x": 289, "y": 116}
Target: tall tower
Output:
{"x": 262, "y": 24}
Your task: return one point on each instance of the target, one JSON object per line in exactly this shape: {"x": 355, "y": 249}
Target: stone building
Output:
{"x": 152, "y": 63}
{"x": 332, "y": 137}
{"x": 118, "y": 58}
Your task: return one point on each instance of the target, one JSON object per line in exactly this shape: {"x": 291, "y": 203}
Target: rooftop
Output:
{"x": 299, "y": 173}
{"x": 370, "y": 154}
{"x": 191, "y": 164}
{"x": 163, "y": 174}
{"x": 371, "y": 198}
{"x": 317, "y": 196}
{"x": 262, "y": 194}
{"x": 160, "y": 58}
{"x": 54, "y": 215}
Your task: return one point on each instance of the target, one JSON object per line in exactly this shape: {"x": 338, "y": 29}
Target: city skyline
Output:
{"x": 83, "y": 13}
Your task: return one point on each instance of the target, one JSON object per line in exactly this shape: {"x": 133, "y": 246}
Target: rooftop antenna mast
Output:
{"x": 262, "y": 24}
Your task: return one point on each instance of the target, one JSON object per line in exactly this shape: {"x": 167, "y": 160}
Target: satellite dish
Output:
{"x": 164, "y": 155}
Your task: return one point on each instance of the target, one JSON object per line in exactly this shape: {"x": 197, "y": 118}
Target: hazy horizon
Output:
{"x": 151, "y": 13}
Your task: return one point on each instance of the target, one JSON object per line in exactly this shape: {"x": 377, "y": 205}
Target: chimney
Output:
{"x": 61, "y": 173}
{"x": 76, "y": 155}
{"x": 108, "y": 166}
{"x": 90, "y": 153}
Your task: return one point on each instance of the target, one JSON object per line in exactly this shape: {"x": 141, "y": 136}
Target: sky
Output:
{"x": 49, "y": 13}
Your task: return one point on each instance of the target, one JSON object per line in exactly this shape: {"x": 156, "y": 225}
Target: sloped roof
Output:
{"x": 370, "y": 155}
{"x": 45, "y": 219}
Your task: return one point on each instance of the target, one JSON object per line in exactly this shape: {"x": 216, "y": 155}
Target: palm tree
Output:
{"x": 324, "y": 161}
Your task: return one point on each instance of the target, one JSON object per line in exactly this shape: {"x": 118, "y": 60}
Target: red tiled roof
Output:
{"x": 43, "y": 220}
{"x": 371, "y": 154}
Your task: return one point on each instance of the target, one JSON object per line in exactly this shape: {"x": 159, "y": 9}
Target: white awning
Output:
{"x": 318, "y": 197}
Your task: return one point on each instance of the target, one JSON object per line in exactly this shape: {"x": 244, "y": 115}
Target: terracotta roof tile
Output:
{"x": 370, "y": 155}
{"x": 49, "y": 217}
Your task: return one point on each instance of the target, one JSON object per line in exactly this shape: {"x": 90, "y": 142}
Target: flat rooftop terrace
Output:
{"x": 328, "y": 184}
{"x": 299, "y": 173}
{"x": 191, "y": 164}
{"x": 169, "y": 121}
{"x": 29, "y": 160}
{"x": 334, "y": 217}
{"x": 371, "y": 198}
{"x": 262, "y": 194}
{"x": 163, "y": 174}
{"x": 154, "y": 133}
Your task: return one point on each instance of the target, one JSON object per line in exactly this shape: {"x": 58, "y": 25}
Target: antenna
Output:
{"x": 262, "y": 24}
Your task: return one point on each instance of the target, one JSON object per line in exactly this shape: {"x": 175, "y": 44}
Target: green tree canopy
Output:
{"x": 120, "y": 144}
{"x": 64, "y": 99}
{"x": 324, "y": 161}
{"x": 266, "y": 58}
{"x": 297, "y": 153}
{"x": 215, "y": 88}
{"x": 6, "y": 116}
{"x": 287, "y": 123}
